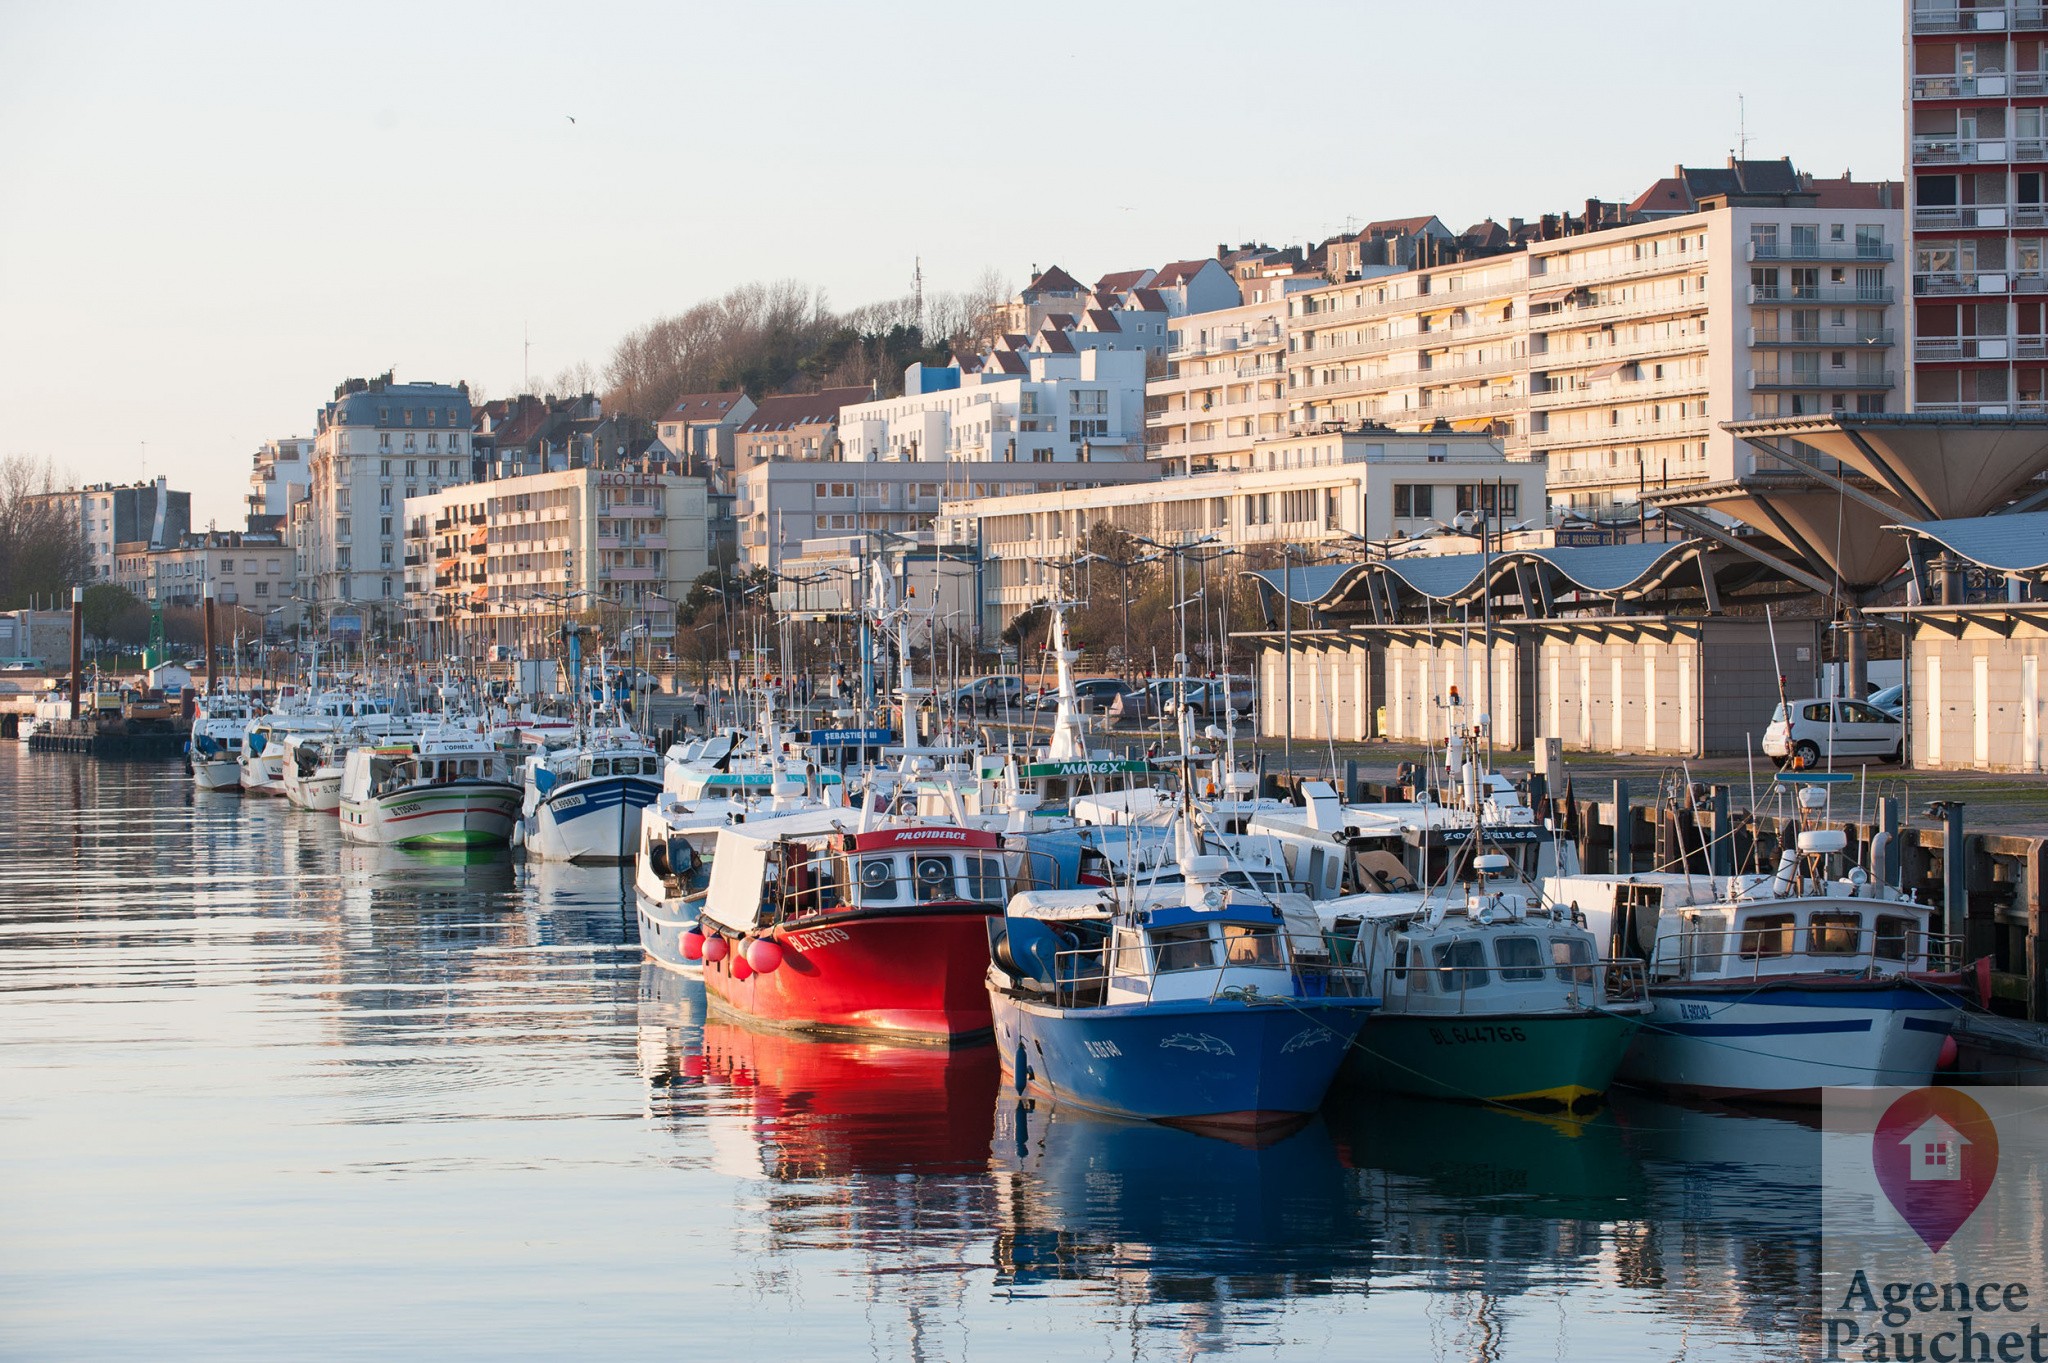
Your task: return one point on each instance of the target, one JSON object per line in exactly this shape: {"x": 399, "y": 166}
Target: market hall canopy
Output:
{"x": 1384, "y": 585}
{"x": 1825, "y": 487}
{"x": 2005, "y": 544}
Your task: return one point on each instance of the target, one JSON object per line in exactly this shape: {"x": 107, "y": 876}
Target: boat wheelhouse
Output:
{"x": 449, "y": 790}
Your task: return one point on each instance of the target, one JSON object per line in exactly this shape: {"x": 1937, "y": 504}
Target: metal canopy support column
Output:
{"x": 1709, "y": 589}
{"x": 1887, "y": 474}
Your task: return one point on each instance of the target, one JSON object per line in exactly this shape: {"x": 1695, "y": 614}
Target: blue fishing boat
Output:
{"x": 1202, "y": 1004}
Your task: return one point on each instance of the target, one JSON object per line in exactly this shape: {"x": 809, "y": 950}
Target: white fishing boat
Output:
{"x": 1773, "y": 985}
{"x": 315, "y": 759}
{"x": 584, "y": 802}
{"x": 215, "y": 747}
{"x": 452, "y": 789}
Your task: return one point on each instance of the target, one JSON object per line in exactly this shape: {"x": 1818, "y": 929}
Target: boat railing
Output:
{"x": 1791, "y": 949}
{"x": 1084, "y": 974}
{"x": 1456, "y": 989}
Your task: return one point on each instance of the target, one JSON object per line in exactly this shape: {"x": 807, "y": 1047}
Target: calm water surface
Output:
{"x": 264, "y": 1095}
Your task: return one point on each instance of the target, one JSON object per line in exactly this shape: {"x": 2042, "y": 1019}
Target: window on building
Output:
{"x": 1414, "y": 500}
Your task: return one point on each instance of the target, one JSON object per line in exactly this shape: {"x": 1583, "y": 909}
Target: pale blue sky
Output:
{"x": 211, "y": 214}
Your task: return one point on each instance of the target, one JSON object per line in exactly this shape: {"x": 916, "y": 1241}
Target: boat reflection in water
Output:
{"x": 1166, "y": 1214}
{"x": 1494, "y": 1232}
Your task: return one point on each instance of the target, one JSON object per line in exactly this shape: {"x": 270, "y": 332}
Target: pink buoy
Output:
{"x": 715, "y": 948}
{"x": 693, "y": 946}
{"x": 764, "y": 955}
{"x": 740, "y": 969}
{"x": 1949, "y": 1049}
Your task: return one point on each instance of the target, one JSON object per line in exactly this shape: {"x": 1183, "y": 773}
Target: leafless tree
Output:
{"x": 42, "y": 545}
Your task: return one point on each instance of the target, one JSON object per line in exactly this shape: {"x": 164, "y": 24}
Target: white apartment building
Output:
{"x": 1021, "y": 407}
{"x": 1304, "y": 489}
{"x": 1224, "y": 390}
{"x": 784, "y": 503}
{"x": 484, "y": 562}
{"x": 282, "y": 472}
{"x": 378, "y": 445}
{"x": 109, "y": 515}
{"x": 1616, "y": 354}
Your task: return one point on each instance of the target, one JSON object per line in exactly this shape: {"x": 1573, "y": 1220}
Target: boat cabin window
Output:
{"x": 469, "y": 767}
{"x": 600, "y": 766}
{"x": 877, "y": 880}
{"x": 1266, "y": 882}
{"x": 934, "y": 878}
{"x": 985, "y": 879}
{"x": 1576, "y": 952}
{"x": 1420, "y": 983}
{"x": 1834, "y": 934}
{"x": 1521, "y": 958}
{"x": 1461, "y": 965}
{"x": 1768, "y": 934}
{"x": 1894, "y": 938}
{"x": 1251, "y": 944}
{"x": 1183, "y": 948}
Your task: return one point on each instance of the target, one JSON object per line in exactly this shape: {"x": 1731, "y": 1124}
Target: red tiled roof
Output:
{"x": 1406, "y": 227}
{"x": 1664, "y": 196}
{"x": 1121, "y": 281}
{"x": 1103, "y": 320}
{"x": 1064, "y": 321}
{"x": 1851, "y": 193}
{"x": 1055, "y": 342}
{"x": 787, "y": 410}
{"x": 524, "y": 425}
{"x": 1054, "y": 280}
{"x": 1009, "y": 361}
{"x": 703, "y": 406}
{"x": 1147, "y": 300}
{"x": 1179, "y": 272}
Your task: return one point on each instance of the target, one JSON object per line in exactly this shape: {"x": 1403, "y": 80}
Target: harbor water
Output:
{"x": 267, "y": 1095}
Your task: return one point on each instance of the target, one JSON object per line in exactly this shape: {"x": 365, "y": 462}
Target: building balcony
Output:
{"x": 1940, "y": 18}
{"x": 2011, "y": 408}
{"x": 1588, "y": 314}
{"x": 1665, "y": 261}
{"x": 1257, "y": 339}
{"x": 1956, "y": 284}
{"x": 1952, "y": 348}
{"x": 1626, "y": 434}
{"x": 1817, "y": 337}
{"x": 1877, "y": 252}
{"x": 1965, "y": 217}
{"x": 1558, "y": 395}
{"x": 1821, "y": 293}
{"x": 1827, "y": 380}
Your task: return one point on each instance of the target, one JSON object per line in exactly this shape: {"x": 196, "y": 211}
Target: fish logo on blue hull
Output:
{"x": 1307, "y": 1037}
{"x": 1198, "y": 1041}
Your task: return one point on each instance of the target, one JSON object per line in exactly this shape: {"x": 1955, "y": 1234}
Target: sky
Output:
{"x": 210, "y": 215}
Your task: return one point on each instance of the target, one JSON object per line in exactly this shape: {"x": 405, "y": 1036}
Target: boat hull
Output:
{"x": 263, "y": 774}
{"x": 913, "y": 977}
{"x": 1528, "y": 1058}
{"x": 1207, "y": 1064}
{"x": 662, "y": 924}
{"x": 462, "y": 814}
{"x": 320, "y": 792}
{"x": 594, "y": 820}
{"x": 216, "y": 773}
{"x": 1784, "y": 1042}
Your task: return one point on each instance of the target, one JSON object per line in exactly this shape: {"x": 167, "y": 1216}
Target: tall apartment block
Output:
{"x": 1977, "y": 155}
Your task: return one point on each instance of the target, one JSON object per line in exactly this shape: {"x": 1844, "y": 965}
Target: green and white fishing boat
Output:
{"x": 452, "y": 788}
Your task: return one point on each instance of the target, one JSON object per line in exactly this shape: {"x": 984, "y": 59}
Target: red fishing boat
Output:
{"x": 814, "y": 926}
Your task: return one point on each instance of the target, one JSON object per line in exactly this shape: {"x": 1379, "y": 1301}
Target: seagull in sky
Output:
{"x": 571, "y": 117}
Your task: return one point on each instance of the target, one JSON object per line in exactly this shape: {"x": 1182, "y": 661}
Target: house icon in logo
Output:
{"x": 1935, "y": 1151}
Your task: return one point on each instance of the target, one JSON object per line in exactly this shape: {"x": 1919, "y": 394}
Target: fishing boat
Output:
{"x": 216, "y": 745}
{"x": 818, "y": 922}
{"x": 1769, "y": 986}
{"x": 316, "y": 758}
{"x": 584, "y": 802}
{"x": 1189, "y": 1003}
{"x": 451, "y": 789}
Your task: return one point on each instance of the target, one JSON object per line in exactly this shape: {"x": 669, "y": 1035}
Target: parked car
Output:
{"x": 1095, "y": 694}
{"x": 1141, "y": 704}
{"x": 1891, "y": 700}
{"x": 1811, "y": 730}
{"x": 988, "y": 695}
{"x": 1206, "y": 696}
